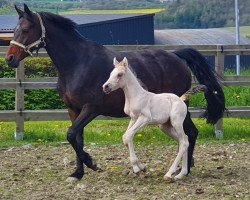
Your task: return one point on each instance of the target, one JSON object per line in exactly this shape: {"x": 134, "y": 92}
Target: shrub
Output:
{"x": 34, "y": 99}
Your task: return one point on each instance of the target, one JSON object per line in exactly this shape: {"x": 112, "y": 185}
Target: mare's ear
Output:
{"x": 27, "y": 11}
{"x": 115, "y": 62}
{"x": 19, "y": 11}
{"x": 125, "y": 62}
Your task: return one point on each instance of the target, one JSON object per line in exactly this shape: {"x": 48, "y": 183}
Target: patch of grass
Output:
{"x": 232, "y": 72}
{"x": 235, "y": 96}
{"x": 244, "y": 30}
{"x": 102, "y": 132}
{"x": 137, "y": 11}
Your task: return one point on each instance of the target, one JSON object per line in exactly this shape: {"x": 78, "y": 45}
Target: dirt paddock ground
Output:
{"x": 222, "y": 171}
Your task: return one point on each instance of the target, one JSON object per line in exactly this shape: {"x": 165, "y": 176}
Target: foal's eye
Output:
{"x": 119, "y": 75}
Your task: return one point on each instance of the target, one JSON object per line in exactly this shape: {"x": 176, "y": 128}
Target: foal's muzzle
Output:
{"x": 107, "y": 88}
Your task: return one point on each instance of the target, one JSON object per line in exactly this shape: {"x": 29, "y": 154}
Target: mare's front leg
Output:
{"x": 76, "y": 139}
{"x": 128, "y": 141}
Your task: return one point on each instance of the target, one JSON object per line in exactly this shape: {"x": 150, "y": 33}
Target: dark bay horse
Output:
{"x": 83, "y": 66}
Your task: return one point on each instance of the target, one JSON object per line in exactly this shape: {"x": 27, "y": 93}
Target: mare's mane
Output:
{"x": 59, "y": 21}
{"x": 65, "y": 24}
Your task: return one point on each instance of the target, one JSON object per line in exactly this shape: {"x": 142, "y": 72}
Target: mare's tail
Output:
{"x": 192, "y": 91}
{"x": 206, "y": 76}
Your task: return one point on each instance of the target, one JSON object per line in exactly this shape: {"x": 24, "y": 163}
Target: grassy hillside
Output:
{"x": 244, "y": 30}
{"x": 142, "y": 11}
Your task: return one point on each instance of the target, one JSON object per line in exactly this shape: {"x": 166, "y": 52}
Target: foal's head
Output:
{"x": 117, "y": 76}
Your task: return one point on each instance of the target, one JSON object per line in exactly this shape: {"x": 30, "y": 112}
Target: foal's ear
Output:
{"x": 115, "y": 62}
{"x": 19, "y": 11}
{"x": 125, "y": 62}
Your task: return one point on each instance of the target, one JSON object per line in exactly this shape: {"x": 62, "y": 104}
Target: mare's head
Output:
{"x": 117, "y": 76}
{"x": 28, "y": 36}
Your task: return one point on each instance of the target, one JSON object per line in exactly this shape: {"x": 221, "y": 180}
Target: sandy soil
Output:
{"x": 39, "y": 172}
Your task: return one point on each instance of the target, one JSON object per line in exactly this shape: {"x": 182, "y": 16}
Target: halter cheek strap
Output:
{"x": 37, "y": 44}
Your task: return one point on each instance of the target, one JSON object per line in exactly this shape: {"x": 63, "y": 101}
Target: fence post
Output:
{"x": 19, "y": 102}
{"x": 219, "y": 68}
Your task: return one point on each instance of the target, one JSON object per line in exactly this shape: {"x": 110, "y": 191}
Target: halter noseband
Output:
{"x": 40, "y": 41}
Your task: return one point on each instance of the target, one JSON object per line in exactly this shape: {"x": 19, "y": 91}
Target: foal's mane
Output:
{"x": 139, "y": 80}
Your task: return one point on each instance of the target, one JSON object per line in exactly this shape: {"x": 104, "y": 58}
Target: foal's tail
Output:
{"x": 205, "y": 75}
{"x": 192, "y": 91}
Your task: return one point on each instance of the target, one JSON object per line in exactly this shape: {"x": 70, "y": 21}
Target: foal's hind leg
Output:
{"x": 177, "y": 133}
{"x": 128, "y": 141}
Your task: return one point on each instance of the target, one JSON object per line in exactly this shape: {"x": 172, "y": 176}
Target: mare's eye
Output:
{"x": 119, "y": 75}
{"x": 25, "y": 30}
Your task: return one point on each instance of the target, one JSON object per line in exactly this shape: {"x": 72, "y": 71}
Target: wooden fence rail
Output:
{"x": 20, "y": 83}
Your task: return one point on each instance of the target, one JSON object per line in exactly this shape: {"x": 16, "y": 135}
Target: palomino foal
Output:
{"x": 145, "y": 108}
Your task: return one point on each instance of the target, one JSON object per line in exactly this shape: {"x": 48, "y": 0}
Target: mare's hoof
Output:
{"x": 92, "y": 165}
{"x": 77, "y": 175}
{"x": 71, "y": 179}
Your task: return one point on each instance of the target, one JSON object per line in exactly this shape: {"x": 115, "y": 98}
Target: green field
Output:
{"x": 103, "y": 132}
{"x": 244, "y": 30}
{"x": 138, "y": 11}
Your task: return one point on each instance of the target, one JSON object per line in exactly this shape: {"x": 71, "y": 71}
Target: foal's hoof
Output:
{"x": 179, "y": 176}
{"x": 142, "y": 166}
{"x": 138, "y": 167}
{"x": 168, "y": 179}
{"x": 71, "y": 179}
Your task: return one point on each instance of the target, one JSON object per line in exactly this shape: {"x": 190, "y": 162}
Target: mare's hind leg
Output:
{"x": 76, "y": 139}
{"x": 176, "y": 132}
{"x": 192, "y": 133}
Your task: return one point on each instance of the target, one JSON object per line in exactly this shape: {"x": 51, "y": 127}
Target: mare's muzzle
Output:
{"x": 11, "y": 61}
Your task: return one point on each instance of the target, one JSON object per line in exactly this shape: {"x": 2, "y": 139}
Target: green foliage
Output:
{"x": 202, "y": 14}
{"x": 176, "y": 14}
{"x": 39, "y": 67}
{"x": 42, "y": 99}
{"x": 58, "y": 5}
{"x": 235, "y": 96}
{"x": 34, "y": 99}
{"x": 34, "y": 67}
{"x": 7, "y": 99}
{"x": 49, "y": 99}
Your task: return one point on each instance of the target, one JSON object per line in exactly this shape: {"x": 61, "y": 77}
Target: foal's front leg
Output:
{"x": 128, "y": 141}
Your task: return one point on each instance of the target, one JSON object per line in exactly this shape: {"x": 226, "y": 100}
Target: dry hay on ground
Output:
{"x": 221, "y": 171}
